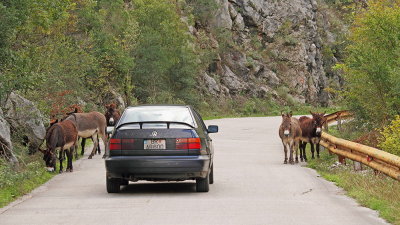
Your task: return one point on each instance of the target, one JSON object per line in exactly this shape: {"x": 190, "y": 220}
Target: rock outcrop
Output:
{"x": 284, "y": 43}
{"x": 25, "y": 120}
{"x": 6, "y": 148}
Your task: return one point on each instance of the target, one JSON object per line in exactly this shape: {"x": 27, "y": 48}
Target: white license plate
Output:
{"x": 154, "y": 144}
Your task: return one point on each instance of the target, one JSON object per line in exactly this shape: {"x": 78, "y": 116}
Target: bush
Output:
{"x": 371, "y": 67}
{"x": 390, "y": 141}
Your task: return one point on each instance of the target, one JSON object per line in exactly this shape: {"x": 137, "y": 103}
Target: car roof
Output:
{"x": 166, "y": 105}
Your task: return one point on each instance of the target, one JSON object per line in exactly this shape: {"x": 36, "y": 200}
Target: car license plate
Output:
{"x": 154, "y": 144}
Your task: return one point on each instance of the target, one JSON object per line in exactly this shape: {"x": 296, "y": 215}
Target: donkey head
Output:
{"x": 318, "y": 122}
{"x": 286, "y": 123}
{"x": 49, "y": 158}
{"x": 110, "y": 114}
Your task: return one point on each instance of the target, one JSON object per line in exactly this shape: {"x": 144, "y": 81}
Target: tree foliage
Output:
{"x": 372, "y": 65}
{"x": 165, "y": 59}
{"x": 86, "y": 48}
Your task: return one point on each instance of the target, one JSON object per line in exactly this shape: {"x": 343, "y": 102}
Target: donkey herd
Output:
{"x": 64, "y": 134}
{"x": 296, "y": 133}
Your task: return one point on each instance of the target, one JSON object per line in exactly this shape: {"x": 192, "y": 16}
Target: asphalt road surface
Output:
{"x": 252, "y": 186}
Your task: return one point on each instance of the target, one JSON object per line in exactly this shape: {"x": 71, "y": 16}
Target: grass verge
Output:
{"x": 16, "y": 182}
{"x": 375, "y": 191}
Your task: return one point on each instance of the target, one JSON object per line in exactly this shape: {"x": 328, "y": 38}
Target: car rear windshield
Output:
{"x": 157, "y": 113}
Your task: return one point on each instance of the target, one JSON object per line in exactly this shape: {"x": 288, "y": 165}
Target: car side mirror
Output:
{"x": 109, "y": 130}
{"x": 212, "y": 129}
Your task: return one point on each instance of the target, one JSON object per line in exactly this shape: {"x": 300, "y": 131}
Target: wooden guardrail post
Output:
{"x": 342, "y": 159}
{"x": 339, "y": 122}
{"x": 357, "y": 166}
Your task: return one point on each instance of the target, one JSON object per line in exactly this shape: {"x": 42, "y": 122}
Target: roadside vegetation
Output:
{"x": 376, "y": 191}
{"x": 18, "y": 181}
{"x": 15, "y": 182}
{"x": 372, "y": 93}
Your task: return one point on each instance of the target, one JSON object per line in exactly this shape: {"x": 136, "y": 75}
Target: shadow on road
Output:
{"x": 158, "y": 188}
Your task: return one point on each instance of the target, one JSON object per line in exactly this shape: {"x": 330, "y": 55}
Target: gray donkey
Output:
{"x": 90, "y": 125}
{"x": 290, "y": 133}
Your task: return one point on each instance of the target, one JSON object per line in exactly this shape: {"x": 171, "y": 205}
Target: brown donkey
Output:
{"x": 290, "y": 133}
{"x": 112, "y": 114}
{"x": 61, "y": 135}
{"x": 83, "y": 142}
{"x": 90, "y": 125}
{"x": 311, "y": 132}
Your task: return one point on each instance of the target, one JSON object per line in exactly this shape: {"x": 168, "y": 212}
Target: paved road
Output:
{"x": 252, "y": 186}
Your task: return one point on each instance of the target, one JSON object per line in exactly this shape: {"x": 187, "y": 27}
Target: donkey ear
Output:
{"x": 290, "y": 114}
{"x": 282, "y": 114}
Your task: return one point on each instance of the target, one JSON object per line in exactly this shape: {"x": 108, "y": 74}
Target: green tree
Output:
{"x": 112, "y": 31}
{"x": 372, "y": 65}
{"x": 166, "y": 65}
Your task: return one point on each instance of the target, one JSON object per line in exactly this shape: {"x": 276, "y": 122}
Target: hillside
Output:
{"x": 279, "y": 49}
{"x": 194, "y": 52}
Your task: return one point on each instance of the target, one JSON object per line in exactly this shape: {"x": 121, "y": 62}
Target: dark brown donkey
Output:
{"x": 311, "y": 132}
{"x": 290, "y": 133}
{"x": 61, "y": 135}
{"x": 112, "y": 114}
{"x": 90, "y": 125}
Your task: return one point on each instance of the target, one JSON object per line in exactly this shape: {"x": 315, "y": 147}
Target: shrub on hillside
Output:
{"x": 390, "y": 140}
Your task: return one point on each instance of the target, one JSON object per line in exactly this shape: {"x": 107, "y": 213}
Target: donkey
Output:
{"x": 311, "y": 132}
{"x": 90, "y": 125}
{"x": 83, "y": 142}
{"x": 112, "y": 114}
{"x": 60, "y": 135}
{"x": 290, "y": 133}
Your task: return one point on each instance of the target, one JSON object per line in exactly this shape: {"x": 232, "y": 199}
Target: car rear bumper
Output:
{"x": 158, "y": 167}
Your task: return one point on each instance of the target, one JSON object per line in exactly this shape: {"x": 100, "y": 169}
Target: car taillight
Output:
{"x": 188, "y": 143}
{"x": 115, "y": 144}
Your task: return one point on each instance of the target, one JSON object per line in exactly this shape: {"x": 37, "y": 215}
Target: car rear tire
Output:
{"x": 202, "y": 184}
{"x": 212, "y": 174}
{"x": 113, "y": 185}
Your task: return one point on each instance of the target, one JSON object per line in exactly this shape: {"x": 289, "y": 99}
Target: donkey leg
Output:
{"x": 317, "y": 150}
{"x": 104, "y": 138}
{"x": 304, "y": 151}
{"x": 300, "y": 148}
{"x": 296, "y": 149}
{"x": 285, "y": 150}
{"x": 98, "y": 145}
{"x": 69, "y": 155}
{"x": 83, "y": 145}
{"x": 76, "y": 150}
{"x": 291, "y": 148}
{"x": 312, "y": 150}
{"x": 60, "y": 157}
{"x": 94, "y": 145}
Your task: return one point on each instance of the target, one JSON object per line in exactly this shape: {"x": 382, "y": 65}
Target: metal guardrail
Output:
{"x": 385, "y": 162}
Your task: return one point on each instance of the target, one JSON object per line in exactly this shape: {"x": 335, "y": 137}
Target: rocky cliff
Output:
{"x": 282, "y": 49}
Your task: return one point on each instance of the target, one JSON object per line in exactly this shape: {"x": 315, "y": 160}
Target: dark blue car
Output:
{"x": 160, "y": 143}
